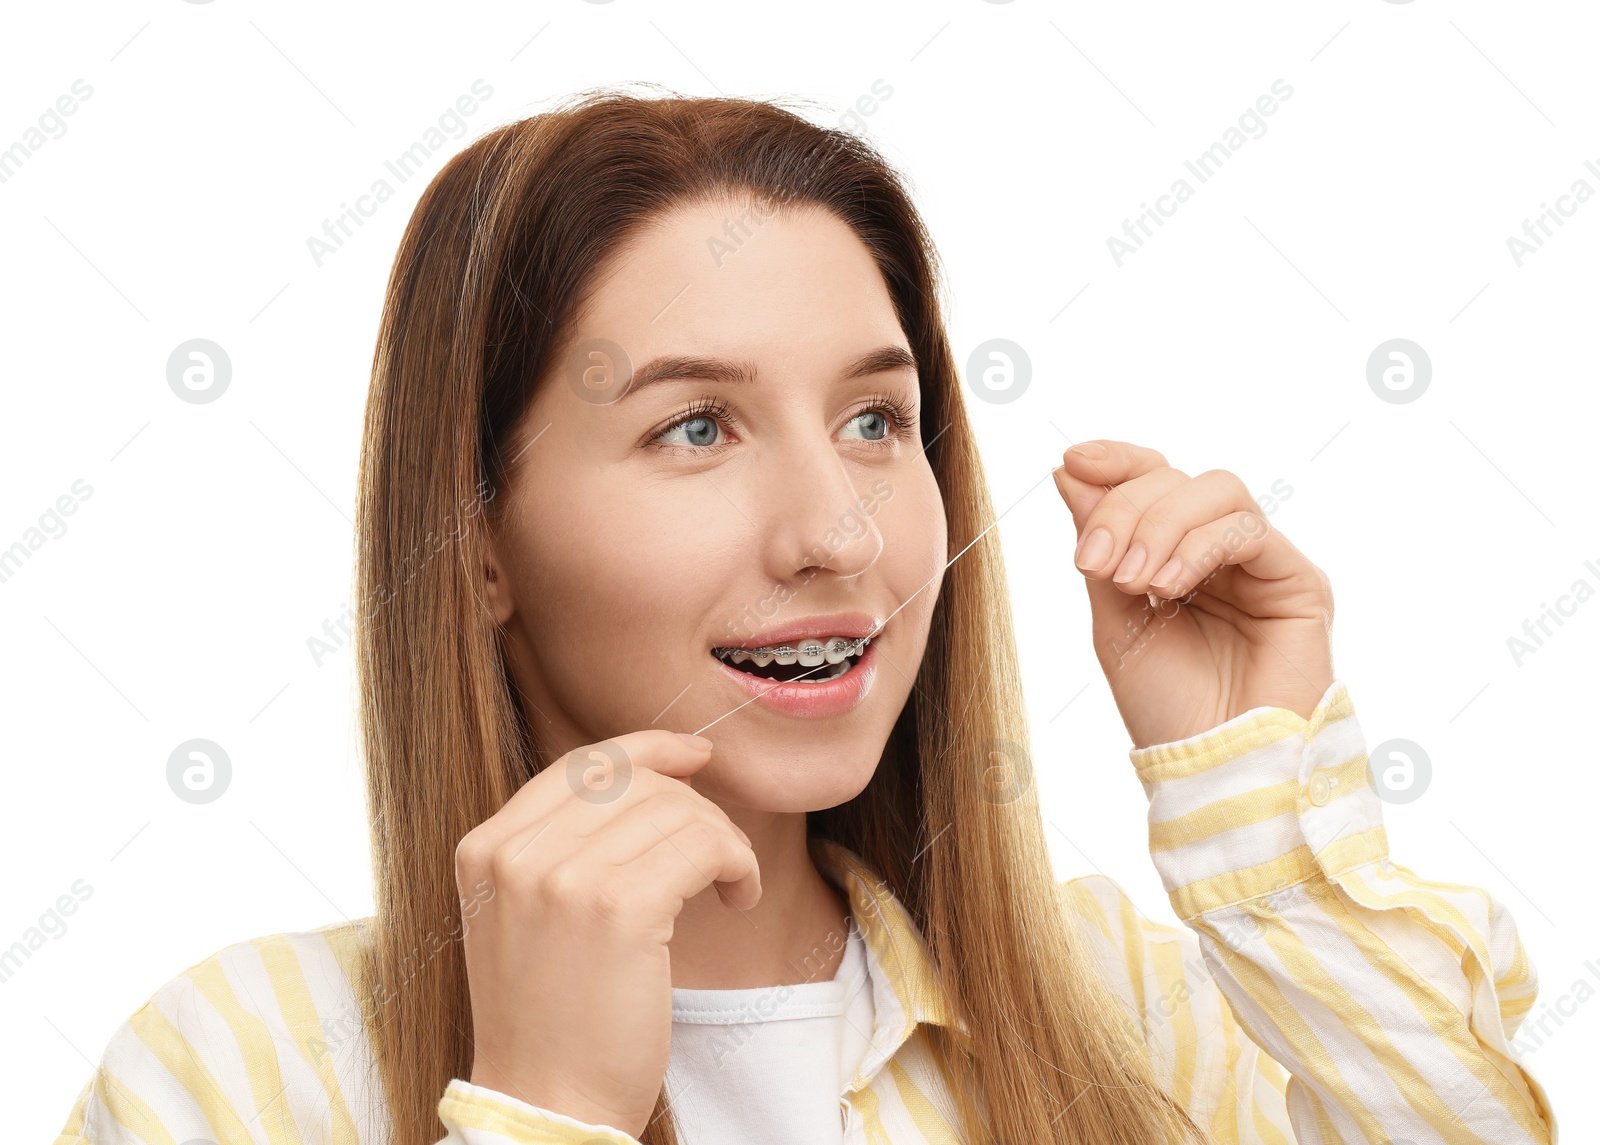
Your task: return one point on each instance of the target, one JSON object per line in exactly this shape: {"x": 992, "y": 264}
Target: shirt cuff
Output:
{"x": 478, "y": 1116}
{"x": 1262, "y": 802}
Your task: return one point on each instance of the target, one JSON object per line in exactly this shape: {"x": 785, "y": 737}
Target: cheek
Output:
{"x": 625, "y": 561}
{"x": 910, "y": 515}
{"x": 915, "y": 548}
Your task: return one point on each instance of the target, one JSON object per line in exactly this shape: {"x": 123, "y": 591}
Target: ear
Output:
{"x": 497, "y": 587}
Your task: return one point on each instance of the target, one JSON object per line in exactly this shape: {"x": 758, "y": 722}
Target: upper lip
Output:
{"x": 850, "y": 624}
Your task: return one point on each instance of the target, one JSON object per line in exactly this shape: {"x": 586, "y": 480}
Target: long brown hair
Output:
{"x": 493, "y": 263}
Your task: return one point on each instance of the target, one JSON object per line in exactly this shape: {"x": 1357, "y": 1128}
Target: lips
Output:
{"x": 809, "y": 700}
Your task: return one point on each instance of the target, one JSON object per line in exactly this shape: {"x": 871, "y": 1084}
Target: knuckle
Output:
{"x": 1157, "y": 517}
{"x": 1324, "y": 593}
{"x": 668, "y": 812}
{"x": 1113, "y": 514}
{"x": 566, "y": 883}
{"x": 469, "y": 855}
{"x": 705, "y": 833}
{"x": 504, "y": 871}
{"x": 666, "y": 789}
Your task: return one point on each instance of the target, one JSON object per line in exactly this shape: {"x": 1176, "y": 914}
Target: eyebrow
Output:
{"x": 682, "y": 368}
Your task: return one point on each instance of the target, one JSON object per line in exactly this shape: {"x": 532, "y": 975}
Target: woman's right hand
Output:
{"x": 567, "y": 965}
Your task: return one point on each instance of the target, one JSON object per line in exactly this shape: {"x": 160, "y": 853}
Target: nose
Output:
{"x": 815, "y": 516}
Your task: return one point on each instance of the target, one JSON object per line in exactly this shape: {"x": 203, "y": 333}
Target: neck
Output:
{"x": 795, "y": 934}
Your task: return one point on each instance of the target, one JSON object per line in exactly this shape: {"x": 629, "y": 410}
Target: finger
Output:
{"x": 1244, "y": 539}
{"x": 628, "y": 835}
{"x": 595, "y": 774}
{"x": 697, "y": 856}
{"x": 663, "y": 752}
{"x": 616, "y": 834}
{"x": 1123, "y": 461}
{"x": 1113, "y": 612}
{"x": 1229, "y": 540}
{"x": 1154, "y": 536}
{"x": 1084, "y": 482}
{"x": 1107, "y": 530}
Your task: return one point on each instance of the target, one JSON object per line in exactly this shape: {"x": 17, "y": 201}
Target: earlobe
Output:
{"x": 499, "y": 599}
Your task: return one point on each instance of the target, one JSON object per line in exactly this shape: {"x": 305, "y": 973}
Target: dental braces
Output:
{"x": 850, "y": 647}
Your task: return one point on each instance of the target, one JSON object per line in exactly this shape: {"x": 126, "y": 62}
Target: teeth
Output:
{"x": 810, "y": 652}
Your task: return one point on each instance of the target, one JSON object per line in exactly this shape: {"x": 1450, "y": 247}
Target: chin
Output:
{"x": 794, "y": 785}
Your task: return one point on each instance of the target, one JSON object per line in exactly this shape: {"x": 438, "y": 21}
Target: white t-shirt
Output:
{"x": 770, "y": 1063}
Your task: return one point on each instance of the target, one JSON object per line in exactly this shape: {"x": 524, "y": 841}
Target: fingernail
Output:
{"x": 1094, "y": 550}
{"x": 695, "y": 741}
{"x": 1168, "y": 576}
{"x": 1132, "y": 563}
{"x": 1090, "y": 449}
{"x": 1060, "y": 475}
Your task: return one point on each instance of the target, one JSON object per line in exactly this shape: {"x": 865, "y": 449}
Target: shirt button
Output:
{"x": 1321, "y": 789}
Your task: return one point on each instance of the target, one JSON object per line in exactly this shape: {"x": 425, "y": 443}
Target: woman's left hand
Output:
{"x": 1235, "y": 617}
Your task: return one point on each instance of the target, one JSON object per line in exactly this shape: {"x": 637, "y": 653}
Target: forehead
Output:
{"x": 735, "y": 276}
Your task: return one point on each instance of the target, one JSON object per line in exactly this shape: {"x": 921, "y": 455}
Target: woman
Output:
{"x": 664, "y": 413}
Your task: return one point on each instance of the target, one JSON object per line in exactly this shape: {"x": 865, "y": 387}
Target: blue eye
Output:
{"x": 900, "y": 422}
{"x": 888, "y": 416}
{"x": 696, "y": 428}
{"x": 878, "y": 414}
{"x": 705, "y": 411}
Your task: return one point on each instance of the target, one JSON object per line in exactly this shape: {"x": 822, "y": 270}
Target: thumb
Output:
{"x": 1117, "y": 616}
{"x": 1081, "y": 496}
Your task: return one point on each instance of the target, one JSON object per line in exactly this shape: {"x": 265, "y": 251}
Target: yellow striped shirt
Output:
{"x": 1318, "y": 993}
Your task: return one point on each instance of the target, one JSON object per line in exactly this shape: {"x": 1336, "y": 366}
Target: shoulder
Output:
{"x": 272, "y": 985}
{"x": 1157, "y": 970}
{"x": 255, "y": 1036}
{"x": 1134, "y": 953}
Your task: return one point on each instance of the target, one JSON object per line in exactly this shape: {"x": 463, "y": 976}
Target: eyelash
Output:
{"x": 899, "y": 411}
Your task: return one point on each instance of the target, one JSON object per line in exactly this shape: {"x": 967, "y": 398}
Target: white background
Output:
{"x": 218, "y": 539}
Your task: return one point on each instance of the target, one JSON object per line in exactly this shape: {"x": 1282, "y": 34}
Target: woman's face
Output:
{"x": 644, "y": 531}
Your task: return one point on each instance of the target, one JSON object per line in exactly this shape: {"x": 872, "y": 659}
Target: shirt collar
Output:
{"x": 906, "y": 988}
